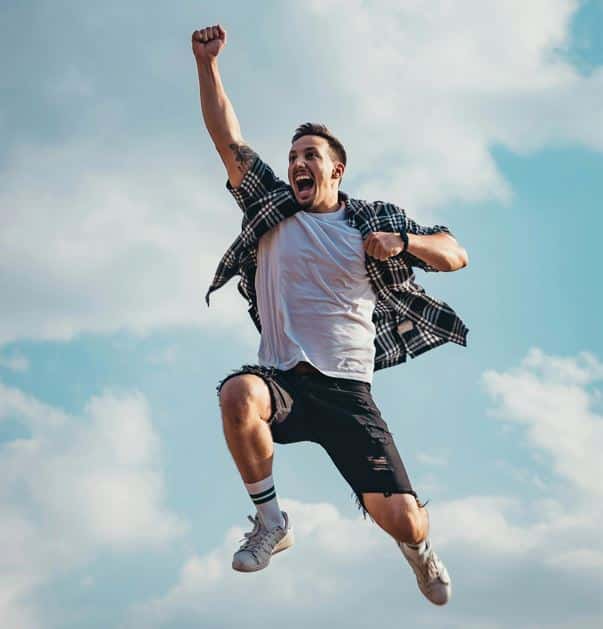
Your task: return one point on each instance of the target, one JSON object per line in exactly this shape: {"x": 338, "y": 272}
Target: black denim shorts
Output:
{"x": 341, "y": 416}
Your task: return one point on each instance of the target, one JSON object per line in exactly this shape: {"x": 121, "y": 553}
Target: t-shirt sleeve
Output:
{"x": 258, "y": 182}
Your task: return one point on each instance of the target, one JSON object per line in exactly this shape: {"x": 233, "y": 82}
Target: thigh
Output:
{"x": 359, "y": 442}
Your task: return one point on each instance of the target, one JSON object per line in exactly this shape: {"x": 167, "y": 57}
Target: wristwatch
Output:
{"x": 404, "y": 237}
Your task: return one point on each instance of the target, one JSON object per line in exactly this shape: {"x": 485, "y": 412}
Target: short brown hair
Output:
{"x": 313, "y": 128}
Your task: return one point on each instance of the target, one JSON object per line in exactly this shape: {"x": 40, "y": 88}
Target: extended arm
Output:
{"x": 441, "y": 251}
{"x": 218, "y": 113}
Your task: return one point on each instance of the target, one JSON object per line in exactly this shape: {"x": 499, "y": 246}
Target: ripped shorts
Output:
{"x": 341, "y": 416}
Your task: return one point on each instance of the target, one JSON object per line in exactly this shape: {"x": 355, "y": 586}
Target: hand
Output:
{"x": 208, "y": 42}
{"x": 383, "y": 245}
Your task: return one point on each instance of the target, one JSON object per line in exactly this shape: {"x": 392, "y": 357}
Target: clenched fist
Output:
{"x": 207, "y": 42}
{"x": 383, "y": 245}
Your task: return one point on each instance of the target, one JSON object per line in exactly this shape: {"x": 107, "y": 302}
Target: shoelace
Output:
{"x": 249, "y": 536}
{"x": 253, "y": 540}
{"x": 433, "y": 567}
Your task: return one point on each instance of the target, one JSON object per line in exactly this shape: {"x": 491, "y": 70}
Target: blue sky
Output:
{"x": 119, "y": 505}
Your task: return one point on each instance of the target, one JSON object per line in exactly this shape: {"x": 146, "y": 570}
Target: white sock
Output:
{"x": 263, "y": 495}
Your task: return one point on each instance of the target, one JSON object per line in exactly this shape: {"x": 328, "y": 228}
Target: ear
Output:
{"x": 338, "y": 170}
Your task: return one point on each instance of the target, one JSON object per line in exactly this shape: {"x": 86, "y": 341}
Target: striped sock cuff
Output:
{"x": 263, "y": 496}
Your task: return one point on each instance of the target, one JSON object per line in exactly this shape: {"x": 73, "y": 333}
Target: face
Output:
{"x": 314, "y": 174}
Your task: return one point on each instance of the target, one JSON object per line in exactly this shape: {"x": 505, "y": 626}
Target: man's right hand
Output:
{"x": 208, "y": 42}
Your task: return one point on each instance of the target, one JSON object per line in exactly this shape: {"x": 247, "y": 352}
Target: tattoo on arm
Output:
{"x": 243, "y": 154}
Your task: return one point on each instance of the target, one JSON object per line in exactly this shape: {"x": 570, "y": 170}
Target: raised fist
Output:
{"x": 207, "y": 42}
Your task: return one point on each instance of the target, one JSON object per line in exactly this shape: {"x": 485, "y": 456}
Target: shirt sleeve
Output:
{"x": 258, "y": 182}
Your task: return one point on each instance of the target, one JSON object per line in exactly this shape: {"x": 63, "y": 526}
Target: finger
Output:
{"x": 214, "y": 32}
{"x": 222, "y": 33}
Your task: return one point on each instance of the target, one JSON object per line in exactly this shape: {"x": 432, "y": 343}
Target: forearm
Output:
{"x": 441, "y": 251}
{"x": 218, "y": 113}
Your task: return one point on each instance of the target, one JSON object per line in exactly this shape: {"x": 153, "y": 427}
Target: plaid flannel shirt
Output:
{"x": 408, "y": 322}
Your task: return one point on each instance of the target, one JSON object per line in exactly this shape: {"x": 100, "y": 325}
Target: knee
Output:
{"x": 244, "y": 397}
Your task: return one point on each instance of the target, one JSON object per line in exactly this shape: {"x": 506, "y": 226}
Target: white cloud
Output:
{"x": 482, "y": 522}
{"x": 430, "y": 88}
{"x": 127, "y": 245}
{"x": 552, "y": 399}
{"x": 580, "y": 561}
{"x": 548, "y": 395}
{"x": 74, "y": 486}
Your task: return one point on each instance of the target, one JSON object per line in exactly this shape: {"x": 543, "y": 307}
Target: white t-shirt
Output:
{"x": 314, "y": 297}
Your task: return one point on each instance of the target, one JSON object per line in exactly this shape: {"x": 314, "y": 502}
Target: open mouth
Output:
{"x": 304, "y": 184}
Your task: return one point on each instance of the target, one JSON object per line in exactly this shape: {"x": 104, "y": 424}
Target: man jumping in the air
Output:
{"x": 330, "y": 286}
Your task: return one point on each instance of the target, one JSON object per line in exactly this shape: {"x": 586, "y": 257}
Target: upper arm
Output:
{"x": 256, "y": 184}
{"x": 238, "y": 157}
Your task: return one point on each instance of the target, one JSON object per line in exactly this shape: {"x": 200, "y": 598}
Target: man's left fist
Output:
{"x": 383, "y": 245}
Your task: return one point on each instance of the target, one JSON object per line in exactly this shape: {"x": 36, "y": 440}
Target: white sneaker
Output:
{"x": 261, "y": 543}
{"x": 432, "y": 576}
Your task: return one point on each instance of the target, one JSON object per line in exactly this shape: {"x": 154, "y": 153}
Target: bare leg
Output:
{"x": 246, "y": 407}
{"x": 399, "y": 515}
{"x": 407, "y": 523}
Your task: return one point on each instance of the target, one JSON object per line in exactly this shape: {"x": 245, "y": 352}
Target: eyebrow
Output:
{"x": 309, "y": 148}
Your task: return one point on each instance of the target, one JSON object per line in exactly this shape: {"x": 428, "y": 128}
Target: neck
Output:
{"x": 332, "y": 205}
